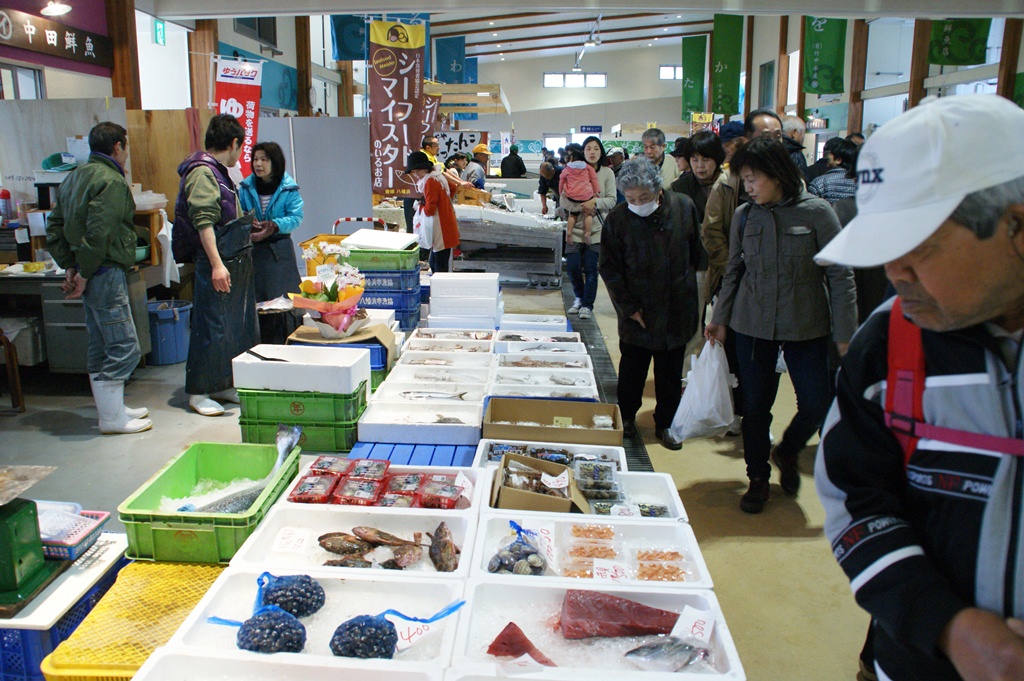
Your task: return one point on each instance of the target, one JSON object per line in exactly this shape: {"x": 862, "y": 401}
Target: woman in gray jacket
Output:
{"x": 775, "y": 297}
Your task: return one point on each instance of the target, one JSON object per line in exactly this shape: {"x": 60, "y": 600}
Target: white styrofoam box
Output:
{"x": 533, "y": 322}
{"x": 467, "y": 306}
{"x": 287, "y": 538}
{"x": 574, "y": 392}
{"x": 182, "y": 664}
{"x": 639, "y": 487}
{"x": 451, "y": 322}
{"x": 459, "y": 334}
{"x": 399, "y": 342}
{"x": 380, "y": 240}
{"x": 520, "y": 347}
{"x": 562, "y": 378}
{"x": 439, "y": 345}
{"x": 591, "y": 452}
{"x": 468, "y": 212}
{"x": 631, "y": 535}
{"x": 503, "y": 339}
{"x": 531, "y": 205}
{"x": 504, "y": 217}
{"x": 464, "y": 284}
{"x": 453, "y": 359}
{"x": 304, "y": 369}
{"x": 421, "y": 424}
{"x": 348, "y": 595}
{"x": 493, "y": 604}
{"x": 386, "y": 317}
{"x": 428, "y": 376}
{"x": 542, "y": 360}
{"x": 417, "y": 393}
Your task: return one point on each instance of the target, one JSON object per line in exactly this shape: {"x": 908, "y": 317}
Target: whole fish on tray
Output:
{"x": 431, "y": 395}
{"x": 380, "y": 537}
{"x": 444, "y": 554}
{"x": 530, "y": 363}
{"x": 344, "y": 543}
{"x": 431, "y": 362}
{"x": 668, "y": 654}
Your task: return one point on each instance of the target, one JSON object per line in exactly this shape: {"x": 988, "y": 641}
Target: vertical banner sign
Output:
{"x": 471, "y": 77}
{"x": 238, "y": 94}
{"x": 348, "y": 37}
{"x": 959, "y": 42}
{"x": 431, "y": 105}
{"x": 695, "y": 51}
{"x": 450, "y": 54}
{"x": 824, "y": 55}
{"x": 726, "y": 48}
{"x": 395, "y": 82}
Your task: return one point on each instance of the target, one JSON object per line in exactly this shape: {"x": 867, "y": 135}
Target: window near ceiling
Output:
{"x": 554, "y": 80}
{"x": 670, "y": 72}
{"x": 597, "y": 80}
{"x": 263, "y": 29}
{"x": 19, "y": 82}
{"x": 766, "y": 85}
{"x": 576, "y": 80}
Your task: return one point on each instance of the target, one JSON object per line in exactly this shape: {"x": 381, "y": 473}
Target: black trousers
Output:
{"x": 668, "y": 381}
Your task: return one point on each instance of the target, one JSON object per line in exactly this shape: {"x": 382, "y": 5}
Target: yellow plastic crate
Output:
{"x": 146, "y": 605}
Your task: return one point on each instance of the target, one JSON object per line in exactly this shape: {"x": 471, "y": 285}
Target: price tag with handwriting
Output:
{"x": 467, "y": 487}
{"x": 694, "y": 623}
{"x": 410, "y": 632}
{"x": 610, "y": 570}
{"x": 560, "y": 481}
{"x": 546, "y": 543}
{"x": 626, "y": 510}
{"x": 292, "y": 540}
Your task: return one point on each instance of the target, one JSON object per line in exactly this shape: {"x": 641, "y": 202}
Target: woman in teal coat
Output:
{"x": 273, "y": 195}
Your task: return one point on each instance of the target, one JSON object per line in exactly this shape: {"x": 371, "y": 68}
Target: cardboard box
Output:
{"x": 549, "y": 413}
{"x": 509, "y": 498}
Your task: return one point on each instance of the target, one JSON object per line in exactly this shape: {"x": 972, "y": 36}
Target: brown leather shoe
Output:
{"x": 789, "y": 472}
{"x": 757, "y": 494}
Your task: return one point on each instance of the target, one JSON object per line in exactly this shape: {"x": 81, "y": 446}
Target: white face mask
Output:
{"x": 644, "y": 209}
{"x": 421, "y": 183}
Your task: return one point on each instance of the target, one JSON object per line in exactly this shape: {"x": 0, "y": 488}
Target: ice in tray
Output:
{"x": 445, "y": 345}
{"x": 450, "y": 360}
{"x": 562, "y": 378}
{"x": 308, "y": 538}
{"x": 493, "y": 605}
{"x": 438, "y": 375}
{"x": 347, "y": 595}
{"x": 576, "y": 392}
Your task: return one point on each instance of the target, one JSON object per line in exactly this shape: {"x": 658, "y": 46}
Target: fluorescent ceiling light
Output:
{"x": 55, "y": 8}
{"x": 590, "y": 43}
{"x": 576, "y": 69}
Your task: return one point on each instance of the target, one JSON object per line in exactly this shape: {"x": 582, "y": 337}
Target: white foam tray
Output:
{"x": 463, "y": 333}
{"x": 453, "y": 359}
{"x": 347, "y": 595}
{"x": 560, "y": 349}
{"x": 428, "y": 376}
{"x": 630, "y": 534}
{"x": 463, "y": 284}
{"x": 435, "y": 321}
{"x": 534, "y": 322}
{"x": 576, "y": 392}
{"x": 467, "y": 306}
{"x": 392, "y": 391}
{"x": 560, "y": 359}
{"x": 494, "y": 603}
{"x": 464, "y": 346}
{"x": 418, "y": 424}
{"x": 287, "y": 538}
{"x": 598, "y": 452}
{"x": 645, "y": 488}
{"x": 504, "y": 217}
{"x": 514, "y": 376}
{"x": 181, "y": 664}
{"x": 306, "y": 368}
{"x": 502, "y": 341}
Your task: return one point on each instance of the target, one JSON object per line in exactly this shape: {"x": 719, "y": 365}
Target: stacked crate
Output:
{"x": 465, "y": 300}
{"x": 395, "y": 289}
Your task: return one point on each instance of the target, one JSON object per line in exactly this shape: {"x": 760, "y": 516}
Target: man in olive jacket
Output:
{"x": 91, "y": 235}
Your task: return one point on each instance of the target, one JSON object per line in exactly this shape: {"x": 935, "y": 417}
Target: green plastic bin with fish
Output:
{"x": 202, "y": 535}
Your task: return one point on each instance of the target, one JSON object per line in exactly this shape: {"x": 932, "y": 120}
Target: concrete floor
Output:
{"x": 787, "y": 603}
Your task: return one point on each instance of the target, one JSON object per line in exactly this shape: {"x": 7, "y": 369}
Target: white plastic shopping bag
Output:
{"x": 423, "y": 228}
{"x": 705, "y": 408}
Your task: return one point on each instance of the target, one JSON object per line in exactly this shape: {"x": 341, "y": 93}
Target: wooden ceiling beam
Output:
{"x": 503, "y": 51}
{"x": 539, "y": 24}
{"x": 575, "y": 39}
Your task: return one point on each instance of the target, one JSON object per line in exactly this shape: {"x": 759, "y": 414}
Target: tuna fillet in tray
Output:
{"x": 590, "y": 613}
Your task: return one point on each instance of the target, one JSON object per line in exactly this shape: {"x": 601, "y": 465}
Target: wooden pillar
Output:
{"x": 202, "y": 42}
{"x": 346, "y": 101}
{"x": 124, "y": 76}
{"x": 748, "y": 85}
{"x": 919, "y": 61}
{"x": 782, "y": 67}
{"x": 304, "y": 65}
{"x": 1008, "y": 60}
{"x": 801, "y": 96}
{"x": 858, "y": 73}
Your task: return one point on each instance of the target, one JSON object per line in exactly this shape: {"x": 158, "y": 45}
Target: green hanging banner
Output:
{"x": 959, "y": 42}
{"x": 726, "y": 48}
{"x": 695, "y": 50}
{"x": 824, "y": 55}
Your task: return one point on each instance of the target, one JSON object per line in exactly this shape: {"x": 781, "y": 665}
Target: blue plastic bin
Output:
{"x": 169, "y": 331}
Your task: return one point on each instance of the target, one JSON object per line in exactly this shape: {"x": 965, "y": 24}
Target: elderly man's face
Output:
{"x": 638, "y": 196}
{"x": 954, "y": 280}
{"x": 616, "y": 159}
{"x": 767, "y": 126}
{"x": 652, "y": 150}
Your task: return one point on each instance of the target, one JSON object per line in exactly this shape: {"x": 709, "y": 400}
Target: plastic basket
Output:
{"x": 408, "y": 319}
{"x": 301, "y": 407}
{"x": 318, "y": 437}
{"x": 424, "y": 294}
{"x": 390, "y": 300}
{"x": 383, "y": 280}
{"x": 202, "y": 537}
{"x": 169, "y": 329}
{"x": 139, "y": 613}
{"x": 78, "y": 536}
{"x": 23, "y": 650}
{"x": 366, "y": 259}
{"x": 377, "y": 377}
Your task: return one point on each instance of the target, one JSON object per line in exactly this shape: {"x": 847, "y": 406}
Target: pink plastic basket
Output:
{"x": 81, "y": 535}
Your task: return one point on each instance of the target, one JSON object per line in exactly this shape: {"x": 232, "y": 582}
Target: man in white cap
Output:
{"x": 920, "y": 467}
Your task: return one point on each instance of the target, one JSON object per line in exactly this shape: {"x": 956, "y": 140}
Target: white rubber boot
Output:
{"x": 139, "y": 413}
{"x": 109, "y": 396}
{"x": 205, "y": 406}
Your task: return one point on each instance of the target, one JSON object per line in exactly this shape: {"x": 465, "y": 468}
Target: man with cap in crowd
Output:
{"x": 681, "y": 154}
{"x": 512, "y": 166}
{"x": 732, "y": 138}
{"x": 476, "y": 168}
{"x": 919, "y": 467}
{"x": 616, "y": 156}
{"x": 653, "y": 140}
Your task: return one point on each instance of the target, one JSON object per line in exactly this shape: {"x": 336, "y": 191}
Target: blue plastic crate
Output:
{"x": 408, "y": 319}
{"x": 424, "y": 294}
{"x": 384, "y": 280}
{"x": 390, "y": 300}
{"x": 23, "y": 650}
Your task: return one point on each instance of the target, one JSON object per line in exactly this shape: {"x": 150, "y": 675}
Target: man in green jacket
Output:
{"x": 91, "y": 235}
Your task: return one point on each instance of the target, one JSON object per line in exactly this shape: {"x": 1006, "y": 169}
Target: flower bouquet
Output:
{"x": 335, "y": 297}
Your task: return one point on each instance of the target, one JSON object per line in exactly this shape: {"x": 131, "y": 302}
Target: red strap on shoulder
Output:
{"x": 904, "y": 398}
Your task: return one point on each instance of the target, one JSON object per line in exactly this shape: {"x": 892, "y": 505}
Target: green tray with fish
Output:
{"x": 202, "y": 535}
{"x": 316, "y": 437}
{"x": 301, "y": 407}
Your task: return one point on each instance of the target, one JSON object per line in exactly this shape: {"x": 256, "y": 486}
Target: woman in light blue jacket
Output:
{"x": 273, "y": 195}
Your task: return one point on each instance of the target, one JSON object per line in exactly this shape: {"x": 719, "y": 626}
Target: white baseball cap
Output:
{"x": 916, "y": 169}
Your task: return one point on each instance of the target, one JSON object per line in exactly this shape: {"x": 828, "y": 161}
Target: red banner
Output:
{"x": 238, "y": 94}
{"x": 395, "y": 82}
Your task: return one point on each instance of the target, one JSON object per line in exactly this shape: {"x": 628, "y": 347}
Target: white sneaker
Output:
{"x": 736, "y": 427}
{"x": 575, "y": 306}
{"x": 204, "y": 405}
{"x": 585, "y": 313}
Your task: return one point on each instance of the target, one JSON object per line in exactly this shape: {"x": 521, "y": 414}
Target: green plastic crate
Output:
{"x": 202, "y": 537}
{"x": 317, "y": 437}
{"x": 301, "y": 407}
{"x": 377, "y": 377}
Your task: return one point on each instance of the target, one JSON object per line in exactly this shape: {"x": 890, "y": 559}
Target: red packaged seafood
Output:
{"x": 591, "y": 613}
{"x": 512, "y": 642}
{"x": 313, "y": 489}
{"x": 330, "y": 465}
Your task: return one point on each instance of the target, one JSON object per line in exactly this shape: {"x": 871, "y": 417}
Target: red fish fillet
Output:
{"x": 512, "y": 642}
{"x": 589, "y": 613}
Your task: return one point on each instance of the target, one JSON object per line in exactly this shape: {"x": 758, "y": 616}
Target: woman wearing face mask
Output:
{"x": 775, "y": 297}
{"x": 436, "y": 203}
{"x": 649, "y": 256}
{"x": 582, "y": 252}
